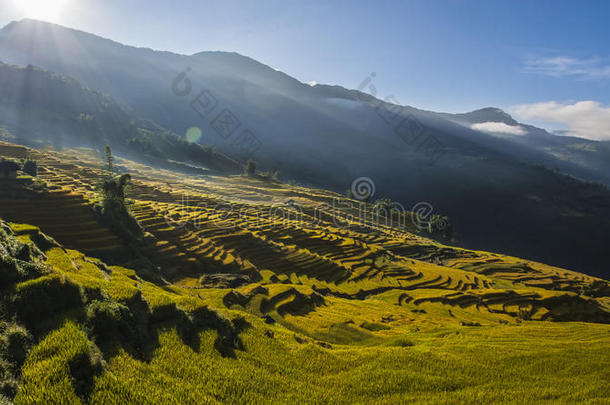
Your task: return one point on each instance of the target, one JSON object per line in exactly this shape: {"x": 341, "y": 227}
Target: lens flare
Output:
{"x": 193, "y": 134}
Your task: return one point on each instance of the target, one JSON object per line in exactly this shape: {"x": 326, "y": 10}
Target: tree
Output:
{"x": 250, "y": 167}
{"x": 114, "y": 189}
{"x": 109, "y": 167}
{"x": 441, "y": 225}
{"x": 276, "y": 175}
{"x": 384, "y": 204}
{"x": 112, "y": 208}
{"x": 30, "y": 167}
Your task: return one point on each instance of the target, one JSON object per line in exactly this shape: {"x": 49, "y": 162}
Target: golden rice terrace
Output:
{"x": 260, "y": 291}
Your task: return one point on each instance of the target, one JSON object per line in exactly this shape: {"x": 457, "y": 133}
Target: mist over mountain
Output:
{"x": 583, "y": 158}
{"x": 505, "y": 192}
{"x": 41, "y": 108}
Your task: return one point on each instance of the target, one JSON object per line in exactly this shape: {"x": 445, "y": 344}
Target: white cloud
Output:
{"x": 312, "y": 83}
{"x": 499, "y": 127}
{"x": 562, "y": 66}
{"x": 585, "y": 119}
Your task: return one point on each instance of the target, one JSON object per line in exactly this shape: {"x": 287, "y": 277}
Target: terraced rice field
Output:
{"x": 277, "y": 233}
{"x": 322, "y": 285}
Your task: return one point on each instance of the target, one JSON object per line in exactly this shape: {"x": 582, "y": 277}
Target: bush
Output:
{"x": 110, "y": 320}
{"x": 4, "y": 366}
{"x": 8, "y": 388}
{"x": 16, "y": 343}
{"x": 384, "y": 204}
{"x": 29, "y": 271}
{"x": 16, "y": 259}
{"x": 9, "y": 271}
{"x": 402, "y": 342}
{"x": 8, "y": 244}
{"x": 441, "y": 226}
{"x": 250, "y": 169}
{"x": 524, "y": 314}
{"x": 374, "y": 327}
{"x": 113, "y": 210}
{"x": 30, "y": 167}
{"x": 13, "y": 270}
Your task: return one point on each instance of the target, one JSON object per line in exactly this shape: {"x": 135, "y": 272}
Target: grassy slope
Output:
{"x": 527, "y": 362}
{"x": 405, "y": 339}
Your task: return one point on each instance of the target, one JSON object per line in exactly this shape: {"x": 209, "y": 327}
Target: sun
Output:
{"x": 41, "y": 9}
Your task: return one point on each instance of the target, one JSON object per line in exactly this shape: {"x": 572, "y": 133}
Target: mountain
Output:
{"x": 489, "y": 114}
{"x": 584, "y": 158}
{"x": 502, "y": 195}
{"x": 43, "y": 108}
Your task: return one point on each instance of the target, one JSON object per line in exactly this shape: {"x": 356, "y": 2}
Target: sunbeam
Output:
{"x": 42, "y": 9}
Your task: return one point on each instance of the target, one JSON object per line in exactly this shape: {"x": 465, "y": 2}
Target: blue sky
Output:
{"x": 543, "y": 56}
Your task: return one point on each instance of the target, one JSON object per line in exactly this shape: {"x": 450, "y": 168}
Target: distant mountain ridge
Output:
{"x": 327, "y": 136}
{"x": 580, "y": 157}
{"x": 488, "y": 114}
{"x": 266, "y": 102}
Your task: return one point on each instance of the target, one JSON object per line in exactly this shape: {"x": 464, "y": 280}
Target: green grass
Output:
{"x": 46, "y": 375}
{"x": 525, "y": 364}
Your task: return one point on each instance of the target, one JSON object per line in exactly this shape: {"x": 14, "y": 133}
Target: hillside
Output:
{"x": 326, "y": 136}
{"x": 43, "y": 108}
{"x": 262, "y": 291}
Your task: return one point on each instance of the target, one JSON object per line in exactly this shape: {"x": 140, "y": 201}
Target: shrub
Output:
{"x": 112, "y": 209}
{"x": 16, "y": 259}
{"x": 4, "y": 366}
{"x": 374, "y": 327}
{"x": 403, "y": 342}
{"x": 250, "y": 169}
{"x": 9, "y": 271}
{"x": 8, "y": 243}
{"x": 17, "y": 342}
{"x": 30, "y": 271}
{"x": 383, "y": 204}
{"x": 441, "y": 226}
{"x": 13, "y": 270}
{"x": 110, "y": 320}
{"x": 30, "y": 167}
{"x": 525, "y": 313}
{"x": 8, "y": 389}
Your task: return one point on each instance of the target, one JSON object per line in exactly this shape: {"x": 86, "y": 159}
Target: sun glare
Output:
{"x": 42, "y": 9}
